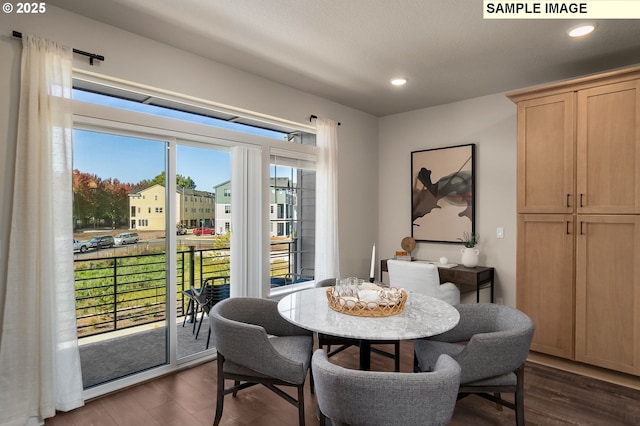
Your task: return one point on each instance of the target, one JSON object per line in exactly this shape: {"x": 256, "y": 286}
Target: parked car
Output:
{"x": 204, "y": 231}
{"x": 126, "y": 238}
{"x": 81, "y": 246}
{"x": 102, "y": 241}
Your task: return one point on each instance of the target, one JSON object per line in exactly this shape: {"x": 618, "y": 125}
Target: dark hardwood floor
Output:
{"x": 552, "y": 397}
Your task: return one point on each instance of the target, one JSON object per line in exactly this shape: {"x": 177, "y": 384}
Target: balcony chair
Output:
{"x": 257, "y": 346}
{"x": 326, "y": 340}
{"x": 420, "y": 277}
{"x": 202, "y": 300}
{"x": 191, "y": 294}
{"x": 212, "y": 294}
{"x": 356, "y": 397}
{"x": 490, "y": 343}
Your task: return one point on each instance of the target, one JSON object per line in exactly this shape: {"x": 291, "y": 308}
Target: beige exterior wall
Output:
{"x": 150, "y": 208}
{"x": 196, "y": 206}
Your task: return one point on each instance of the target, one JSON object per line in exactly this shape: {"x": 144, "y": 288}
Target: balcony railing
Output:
{"x": 118, "y": 292}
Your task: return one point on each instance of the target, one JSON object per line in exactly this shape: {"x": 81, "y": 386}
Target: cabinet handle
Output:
{"x": 568, "y": 205}
{"x": 568, "y": 231}
{"x": 581, "y": 230}
{"x": 581, "y": 200}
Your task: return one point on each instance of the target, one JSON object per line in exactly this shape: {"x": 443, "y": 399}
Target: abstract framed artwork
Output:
{"x": 443, "y": 193}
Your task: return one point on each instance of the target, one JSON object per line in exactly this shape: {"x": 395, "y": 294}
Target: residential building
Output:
{"x": 196, "y": 208}
{"x": 283, "y": 203}
{"x": 147, "y": 208}
{"x": 223, "y": 207}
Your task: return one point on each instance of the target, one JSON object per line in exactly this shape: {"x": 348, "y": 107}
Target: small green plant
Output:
{"x": 470, "y": 240}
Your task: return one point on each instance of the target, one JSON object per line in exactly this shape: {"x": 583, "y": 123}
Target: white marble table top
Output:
{"x": 423, "y": 316}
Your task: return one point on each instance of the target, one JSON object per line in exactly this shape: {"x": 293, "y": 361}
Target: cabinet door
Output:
{"x": 608, "y": 149}
{"x": 546, "y": 141}
{"x": 545, "y": 280}
{"x": 608, "y": 291}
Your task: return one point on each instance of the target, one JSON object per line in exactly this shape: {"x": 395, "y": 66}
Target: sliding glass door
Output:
{"x": 202, "y": 240}
{"x": 152, "y": 221}
{"x": 120, "y": 207}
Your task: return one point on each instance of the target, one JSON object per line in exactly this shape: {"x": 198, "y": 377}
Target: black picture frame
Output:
{"x": 443, "y": 193}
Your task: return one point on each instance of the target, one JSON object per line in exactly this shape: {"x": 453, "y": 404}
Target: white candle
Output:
{"x": 373, "y": 262}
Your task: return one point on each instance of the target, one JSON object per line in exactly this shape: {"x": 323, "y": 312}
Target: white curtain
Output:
{"x": 327, "y": 263}
{"x": 39, "y": 358}
{"x": 246, "y": 222}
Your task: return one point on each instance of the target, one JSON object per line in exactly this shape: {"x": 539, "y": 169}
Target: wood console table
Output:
{"x": 467, "y": 279}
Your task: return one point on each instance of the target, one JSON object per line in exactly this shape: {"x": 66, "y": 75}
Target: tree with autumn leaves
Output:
{"x": 99, "y": 202}
{"x": 105, "y": 202}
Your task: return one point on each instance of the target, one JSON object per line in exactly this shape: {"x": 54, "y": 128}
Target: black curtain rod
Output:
{"x": 91, "y": 56}
{"x": 314, "y": 117}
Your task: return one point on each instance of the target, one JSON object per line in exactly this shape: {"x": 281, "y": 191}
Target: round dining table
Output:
{"x": 423, "y": 316}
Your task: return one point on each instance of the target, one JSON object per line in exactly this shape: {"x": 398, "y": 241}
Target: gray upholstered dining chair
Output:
{"x": 421, "y": 277}
{"x": 257, "y": 346}
{"x": 491, "y": 343}
{"x": 362, "y": 398}
{"x": 342, "y": 343}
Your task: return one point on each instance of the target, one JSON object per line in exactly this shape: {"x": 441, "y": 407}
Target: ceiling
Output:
{"x": 348, "y": 50}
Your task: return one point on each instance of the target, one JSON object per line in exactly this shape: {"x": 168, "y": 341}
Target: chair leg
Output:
{"x": 194, "y": 310}
{"x": 322, "y": 418}
{"x": 220, "y": 396}
{"x": 189, "y": 306}
{"x": 208, "y": 337}
{"x": 519, "y": 396}
{"x": 498, "y": 406}
{"x": 397, "y": 358}
{"x": 301, "y": 404}
{"x": 200, "y": 324}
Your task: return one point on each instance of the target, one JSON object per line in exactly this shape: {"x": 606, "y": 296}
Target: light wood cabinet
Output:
{"x": 546, "y": 135}
{"x": 608, "y": 291}
{"x": 578, "y": 259}
{"x": 608, "y": 149}
{"x": 545, "y": 278}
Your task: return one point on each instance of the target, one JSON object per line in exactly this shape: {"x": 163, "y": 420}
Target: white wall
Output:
{"x": 143, "y": 61}
{"x": 490, "y": 123}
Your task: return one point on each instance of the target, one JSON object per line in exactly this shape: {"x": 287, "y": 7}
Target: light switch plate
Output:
{"x": 500, "y": 232}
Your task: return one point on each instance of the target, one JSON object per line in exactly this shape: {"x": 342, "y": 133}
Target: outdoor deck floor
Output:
{"x": 117, "y": 354}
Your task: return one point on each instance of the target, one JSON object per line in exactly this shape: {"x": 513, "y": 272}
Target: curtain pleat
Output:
{"x": 327, "y": 260}
{"x": 39, "y": 358}
{"x": 246, "y": 222}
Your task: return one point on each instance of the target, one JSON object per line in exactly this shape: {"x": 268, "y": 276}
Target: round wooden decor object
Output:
{"x": 408, "y": 244}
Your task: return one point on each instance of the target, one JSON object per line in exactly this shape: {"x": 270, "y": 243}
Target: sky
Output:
{"x": 131, "y": 160}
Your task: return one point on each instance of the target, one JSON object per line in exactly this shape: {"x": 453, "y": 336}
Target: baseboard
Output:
{"x": 603, "y": 374}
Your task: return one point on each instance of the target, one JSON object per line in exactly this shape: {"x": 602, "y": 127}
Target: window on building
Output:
{"x": 227, "y": 208}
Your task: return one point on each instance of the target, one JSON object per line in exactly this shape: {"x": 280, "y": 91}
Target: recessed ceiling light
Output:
{"x": 399, "y": 81}
{"x": 581, "y": 30}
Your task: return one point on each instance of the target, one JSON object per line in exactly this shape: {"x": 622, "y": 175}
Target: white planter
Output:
{"x": 470, "y": 256}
